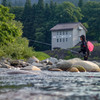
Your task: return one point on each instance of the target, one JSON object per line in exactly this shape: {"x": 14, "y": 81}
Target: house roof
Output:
{"x": 67, "y": 26}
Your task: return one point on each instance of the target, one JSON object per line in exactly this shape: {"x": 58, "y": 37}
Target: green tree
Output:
{"x": 18, "y": 11}
{"x": 9, "y": 28}
{"x": 26, "y": 19}
{"x": 41, "y": 4}
{"x": 91, "y": 12}
{"x": 39, "y": 15}
{"x": 4, "y": 2}
{"x": 9, "y": 4}
{"x": 80, "y": 3}
{"x": 67, "y": 12}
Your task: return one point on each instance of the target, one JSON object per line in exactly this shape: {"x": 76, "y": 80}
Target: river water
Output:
{"x": 46, "y": 85}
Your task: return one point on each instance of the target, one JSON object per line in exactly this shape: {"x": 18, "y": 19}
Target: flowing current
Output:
{"x": 46, "y": 85}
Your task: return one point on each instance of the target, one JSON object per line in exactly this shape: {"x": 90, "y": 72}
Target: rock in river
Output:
{"x": 34, "y": 68}
{"x": 88, "y": 65}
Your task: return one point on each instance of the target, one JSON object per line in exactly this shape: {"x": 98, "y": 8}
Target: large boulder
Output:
{"x": 66, "y": 64}
{"x": 34, "y": 68}
{"x": 88, "y": 65}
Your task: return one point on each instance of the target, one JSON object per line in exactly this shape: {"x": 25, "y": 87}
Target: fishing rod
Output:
{"x": 50, "y": 45}
{"x": 40, "y": 42}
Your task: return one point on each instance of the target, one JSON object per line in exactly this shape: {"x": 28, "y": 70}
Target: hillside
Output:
{"x": 22, "y": 2}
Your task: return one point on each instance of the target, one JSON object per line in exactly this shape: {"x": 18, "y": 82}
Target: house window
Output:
{"x": 60, "y": 32}
{"x": 66, "y": 39}
{"x": 66, "y": 33}
{"x": 57, "y": 33}
{"x": 63, "y": 40}
{"x": 57, "y": 40}
{"x": 60, "y": 40}
{"x": 63, "y": 33}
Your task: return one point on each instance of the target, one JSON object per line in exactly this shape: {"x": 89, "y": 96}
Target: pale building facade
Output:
{"x": 67, "y": 35}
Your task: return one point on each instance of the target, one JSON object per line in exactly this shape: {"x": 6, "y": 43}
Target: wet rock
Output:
{"x": 55, "y": 69}
{"x": 80, "y": 68}
{"x": 73, "y": 69}
{"x": 33, "y": 59}
{"x": 89, "y": 66}
{"x": 65, "y": 64}
{"x": 97, "y": 63}
{"x": 0, "y": 65}
{"x": 34, "y": 68}
{"x": 50, "y": 61}
{"x": 96, "y": 70}
{"x": 38, "y": 64}
{"x": 14, "y": 63}
{"x": 19, "y": 63}
{"x": 46, "y": 67}
{"x": 3, "y": 65}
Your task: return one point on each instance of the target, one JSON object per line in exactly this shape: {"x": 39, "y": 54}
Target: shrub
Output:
{"x": 70, "y": 55}
{"x": 17, "y": 50}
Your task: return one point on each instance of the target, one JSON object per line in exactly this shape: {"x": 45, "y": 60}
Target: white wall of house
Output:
{"x": 62, "y": 39}
{"x": 77, "y": 33}
{"x": 67, "y": 38}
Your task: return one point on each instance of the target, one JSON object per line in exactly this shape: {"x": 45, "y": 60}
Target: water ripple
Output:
{"x": 47, "y": 85}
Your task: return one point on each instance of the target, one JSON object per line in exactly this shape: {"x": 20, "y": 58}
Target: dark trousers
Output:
{"x": 86, "y": 54}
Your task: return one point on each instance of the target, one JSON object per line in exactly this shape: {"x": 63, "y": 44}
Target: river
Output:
{"x": 46, "y": 85}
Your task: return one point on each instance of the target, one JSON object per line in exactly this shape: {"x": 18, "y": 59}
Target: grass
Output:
{"x": 41, "y": 55}
{"x": 97, "y": 44}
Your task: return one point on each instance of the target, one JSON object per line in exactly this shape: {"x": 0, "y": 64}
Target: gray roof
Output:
{"x": 67, "y": 26}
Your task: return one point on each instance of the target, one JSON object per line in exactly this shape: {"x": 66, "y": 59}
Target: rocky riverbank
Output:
{"x": 50, "y": 64}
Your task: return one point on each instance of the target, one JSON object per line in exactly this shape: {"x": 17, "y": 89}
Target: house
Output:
{"x": 67, "y": 35}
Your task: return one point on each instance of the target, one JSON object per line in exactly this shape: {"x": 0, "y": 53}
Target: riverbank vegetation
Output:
{"x": 12, "y": 45}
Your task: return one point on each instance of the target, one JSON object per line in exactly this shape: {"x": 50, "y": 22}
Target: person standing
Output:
{"x": 83, "y": 47}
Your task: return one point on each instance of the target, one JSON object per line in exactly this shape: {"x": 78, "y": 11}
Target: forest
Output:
{"x": 39, "y": 18}
{"x": 22, "y": 2}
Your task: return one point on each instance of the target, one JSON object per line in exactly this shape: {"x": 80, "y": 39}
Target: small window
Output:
{"x": 63, "y": 33}
{"x": 63, "y": 40}
{"x": 57, "y": 40}
{"x": 60, "y": 40}
{"x": 66, "y": 33}
{"x": 57, "y": 33}
{"x": 66, "y": 39}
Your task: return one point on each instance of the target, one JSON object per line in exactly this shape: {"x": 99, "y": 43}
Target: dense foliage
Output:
{"x": 22, "y": 2}
{"x": 91, "y": 12}
{"x": 9, "y": 28}
{"x": 12, "y": 44}
{"x": 38, "y": 18}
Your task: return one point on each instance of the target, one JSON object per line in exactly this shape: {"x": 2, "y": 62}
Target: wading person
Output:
{"x": 83, "y": 47}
